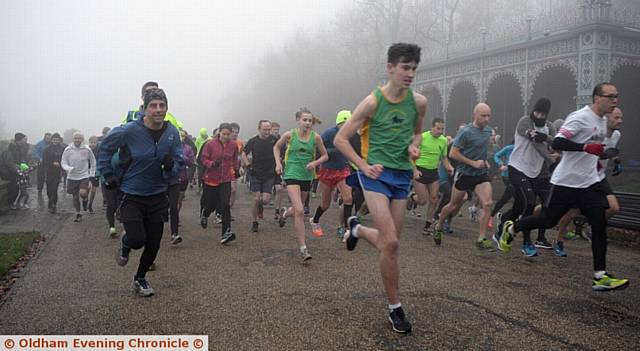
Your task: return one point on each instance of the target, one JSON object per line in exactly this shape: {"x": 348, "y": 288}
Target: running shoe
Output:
{"x": 410, "y": 201}
{"x": 142, "y": 287}
{"x": 203, "y": 221}
{"x": 176, "y": 238}
{"x": 78, "y": 218}
{"x": 304, "y": 253}
{"x": 558, "y": 248}
{"x": 306, "y": 210}
{"x": 496, "y": 240}
{"x": 608, "y": 282}
{"x": 219, "y": 218}
{"x": 485, "y": 245}
{"x": 473, "y": 213}
{"x": 316, "y": 229}
{"x": 254, "y": 227}
{"x": 340, "y": 232}
{"x": 276, "y": 215}
{"x": 570, "y": 235}
{"x": 543, "y": 244}
{"x": 227, "y": 237}
{"x": 504, "y": 242}
{"x": 437, "y": 236}
{"x": 283, "y": 217}
{"x": 399, "y": 321}
{"x": 529, "y": 250}
{"x": 351, "y": 240}
{"x": 427, "y": 230}
{"x": 446, "y": 227}
{"x": 122, "y": 257}
{"x": 112, "y": 232}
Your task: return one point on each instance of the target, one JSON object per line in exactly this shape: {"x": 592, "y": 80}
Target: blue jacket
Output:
{"x": 502, "y": 158}
{"x": 144, "y": 175}
{"x": 36, "y": 153}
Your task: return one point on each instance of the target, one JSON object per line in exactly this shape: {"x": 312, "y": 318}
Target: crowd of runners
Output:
{"x": 375, "y": 160}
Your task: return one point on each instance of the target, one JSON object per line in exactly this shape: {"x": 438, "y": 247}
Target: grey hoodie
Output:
{"x": 79, "y": 162}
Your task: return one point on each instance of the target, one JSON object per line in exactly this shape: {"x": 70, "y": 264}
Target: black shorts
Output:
{"x": 261, "y": 186}
{"x": 582, "y": 198}
{"x": 465, "y": 182}
{"x": 95, "y": 181}
{"x": 305, "y": 185}
{"x": 74, "y": 186}
{"x": 154, "y": 208}
{"x": 428, "y": 175}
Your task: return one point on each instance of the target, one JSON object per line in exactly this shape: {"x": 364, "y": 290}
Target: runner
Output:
{"x": 261, "y": 168}
{"x": 470, "y": 150}
{"x": 332, "y": 175}
{"x": 391, "y": 118}
{"x": 10, "y": 159}
{"x": 238, "y": 171}
{"x": 177, "y": 187}
{"x": 528, "y": 173}
{"x": 51, "y": 159}
{"x": 80, "y": 164}
{"x": 433, "y": 150}
{"x": 95, "y": 180}
{"x": 576, "y": 183}
{"x": 220, "y": 161}
{"x": 279, "y": 186}
{"x": 36, "y": 156}
{"x": 138, "y": 113}
{"x": 501, "y": 159}
{"x": 155, "y": 156}
{"x": 614, "y": 121}
{"x": 300, "y": 163}
{"x": 201, "y": 139}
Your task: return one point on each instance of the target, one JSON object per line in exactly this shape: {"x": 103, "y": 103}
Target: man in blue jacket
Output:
{"x": 36, "y": 155}
{"x": 153, "y": 156}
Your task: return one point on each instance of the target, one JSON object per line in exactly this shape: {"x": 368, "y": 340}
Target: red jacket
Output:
{"x": 220, "y": 161}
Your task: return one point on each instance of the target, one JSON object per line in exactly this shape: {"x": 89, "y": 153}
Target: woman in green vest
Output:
{"x": 300, "y": 163}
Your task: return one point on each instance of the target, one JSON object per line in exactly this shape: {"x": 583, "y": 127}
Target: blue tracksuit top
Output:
{"x": 145, "y": 175}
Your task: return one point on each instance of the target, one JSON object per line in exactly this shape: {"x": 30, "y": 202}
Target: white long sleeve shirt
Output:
{"x": 79, "y": 162}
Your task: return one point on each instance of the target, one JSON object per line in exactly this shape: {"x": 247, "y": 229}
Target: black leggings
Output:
{"x": 526, "y": 191}
{"x": 506, "y": 196}
{"x": 147, "y": 234}
{"x": 174, "y": 214}
{"x": 216, "y": 198}
{"x": 562, "y": 200}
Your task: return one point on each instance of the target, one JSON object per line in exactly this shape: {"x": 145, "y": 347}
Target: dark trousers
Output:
{"x": 174, "y": 215}
{"x": 52, "y": 190}
{"x": 112, "y": 198}
{"x": 40, "y": 177}
{"x": 216, "y": 198}
{"x": 591, "y": 201}
{"x": 143, "y": 220}
{"x": 506, "y": 196}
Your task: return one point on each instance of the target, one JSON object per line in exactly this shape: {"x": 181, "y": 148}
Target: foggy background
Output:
{"x": 81, "y": 64}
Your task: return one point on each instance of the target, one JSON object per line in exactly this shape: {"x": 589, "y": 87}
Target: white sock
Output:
{"x": 599, "y": 274}
{"x": 511, "y": 230}
{"x": 393, "y": 307}
{"x": 354, "y": 232}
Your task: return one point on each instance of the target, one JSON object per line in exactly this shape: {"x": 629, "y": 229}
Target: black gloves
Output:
{"x": 540, "y": 137}
{"x": 216, "y": 164}
{"x": 167, "y": 163}
{"x": 111, "y": 182}
{"x": 609, "y": 153}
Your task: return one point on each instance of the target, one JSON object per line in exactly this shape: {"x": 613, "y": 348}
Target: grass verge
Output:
{"x": 12, "y": 247}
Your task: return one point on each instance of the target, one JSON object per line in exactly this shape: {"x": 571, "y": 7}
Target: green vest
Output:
{"x": 432, "y": 150}
{"x": 299, "y": 154}
{"x": 387, "y": 135}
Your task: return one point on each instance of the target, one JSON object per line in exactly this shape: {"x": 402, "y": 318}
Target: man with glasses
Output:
{"x": 576, "y": 183}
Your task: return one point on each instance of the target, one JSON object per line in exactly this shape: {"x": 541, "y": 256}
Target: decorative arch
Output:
{"x": 464, "y": 95}
{"x": 558, "y": 83}
{"x": 435, "y": 104}
{"x": 504, "y": 96}
{"x": 536, "y": 69}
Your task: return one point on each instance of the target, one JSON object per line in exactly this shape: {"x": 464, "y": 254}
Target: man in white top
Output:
{"x": 614, "y": 120}
{"x": 529, "y": 170}
{"x": 576, "y": 182}
{"x": 80, "y": 164}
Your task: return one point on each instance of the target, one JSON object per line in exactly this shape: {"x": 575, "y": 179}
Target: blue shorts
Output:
{"x": 394, "y": 184}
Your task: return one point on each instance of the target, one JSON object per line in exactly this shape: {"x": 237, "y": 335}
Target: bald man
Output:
{"x": 469, "y": 149}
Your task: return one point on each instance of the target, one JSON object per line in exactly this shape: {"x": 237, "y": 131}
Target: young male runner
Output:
{"x": 391, "y": 120}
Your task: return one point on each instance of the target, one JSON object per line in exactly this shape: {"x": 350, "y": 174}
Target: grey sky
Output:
{"x": 81, "y": 63}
